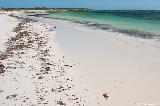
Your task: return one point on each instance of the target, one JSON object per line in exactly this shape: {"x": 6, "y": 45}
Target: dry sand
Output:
{"x": 33, "y": 69}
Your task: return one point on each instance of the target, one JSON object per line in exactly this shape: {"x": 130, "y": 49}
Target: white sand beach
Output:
{"x": 127, "y": 69}
{"x": 74, "y": 65}
{"x": 33, "y": 69}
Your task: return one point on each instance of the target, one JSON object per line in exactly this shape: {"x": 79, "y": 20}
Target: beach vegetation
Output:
{"x": 45, "y": 8}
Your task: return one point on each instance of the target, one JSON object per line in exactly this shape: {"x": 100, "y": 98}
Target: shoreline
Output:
{"x": 135, "y": 33}
{"x": 129, "y": 34}
{"x": 113, "y": 64}
{"x": 123, "y": 67}
{"x": 123, "y": 21}
{"x": 74, "y": 65}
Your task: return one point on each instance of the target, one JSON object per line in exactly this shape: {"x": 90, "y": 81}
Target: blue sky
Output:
{"x": 96, "y": 4}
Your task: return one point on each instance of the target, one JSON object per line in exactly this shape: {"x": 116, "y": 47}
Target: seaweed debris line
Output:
{"x": 35, "y": 72}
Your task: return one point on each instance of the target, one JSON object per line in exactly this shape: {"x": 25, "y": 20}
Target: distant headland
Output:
{"x": 44, "y": 8}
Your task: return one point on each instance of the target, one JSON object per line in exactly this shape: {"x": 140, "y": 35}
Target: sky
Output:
{"x": 95, "y": 4}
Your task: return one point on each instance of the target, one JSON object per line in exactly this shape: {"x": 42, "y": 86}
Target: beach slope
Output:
{"x": 33, "y": 69}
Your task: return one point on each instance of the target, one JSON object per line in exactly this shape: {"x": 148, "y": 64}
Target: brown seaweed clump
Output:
{"x": 2, "y": 67}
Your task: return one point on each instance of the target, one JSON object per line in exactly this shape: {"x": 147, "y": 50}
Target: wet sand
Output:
{"x": 125, "y": 68}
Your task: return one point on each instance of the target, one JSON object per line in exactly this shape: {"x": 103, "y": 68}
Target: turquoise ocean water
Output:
{"x": 138, "y": 23}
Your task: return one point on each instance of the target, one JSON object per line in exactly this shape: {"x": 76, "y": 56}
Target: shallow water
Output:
{"x": 141, "y": 20}
{"x": 142, "y": 23}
